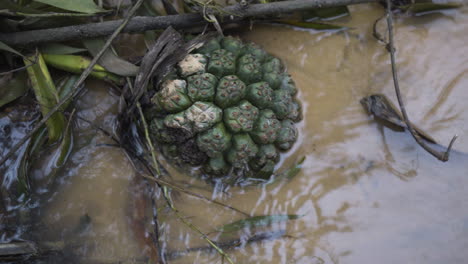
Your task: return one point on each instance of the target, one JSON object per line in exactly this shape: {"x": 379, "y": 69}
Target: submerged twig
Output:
{"x": 238, "y": 242}
{"x": 77, "y": 88}
{"x": 443, "y": 156}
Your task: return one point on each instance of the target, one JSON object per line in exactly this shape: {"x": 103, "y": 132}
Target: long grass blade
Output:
{"x": 46, "y": 95}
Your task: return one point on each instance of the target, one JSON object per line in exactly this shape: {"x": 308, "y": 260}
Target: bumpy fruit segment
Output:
{"x": 242, "y": 151}
{"x": 214, "y": 141}
{"x": 230, "y": 91}
{"x": 266, "y": 128}
{"x": 241, "y": 118}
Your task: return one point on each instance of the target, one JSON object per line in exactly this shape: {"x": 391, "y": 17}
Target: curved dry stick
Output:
{"x": 443, "y": 156}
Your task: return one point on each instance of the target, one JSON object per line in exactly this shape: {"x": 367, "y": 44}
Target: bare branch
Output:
{"x": 141, "y": 24}
{"x": 443, "y": 156}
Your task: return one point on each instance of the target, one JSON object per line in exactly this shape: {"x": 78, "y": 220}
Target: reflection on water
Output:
{"x": 368, "y": 194}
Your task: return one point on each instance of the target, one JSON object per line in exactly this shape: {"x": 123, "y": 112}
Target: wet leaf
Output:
{"x": 257, "y": 221}
{"x": 60, "y": 49}
{"x": 289, "y": 173}
{"x": 310, "y": 25}
{"x": 12, "y": 87}
{"x": 109, "y": 60}
{"x": 328, "y": 13}
{"x": 293, "y": 171}
{"x": 46, "y": 95}
{"x": 33, "y": 146}
{"x": 65, "y": 87}
{"x": 5, "y": 47}
{"x": 62, "y": 152}
{"x": 82, "y": 6}
{"x": 77, "y": 64}
{"x": 427, "y": 8}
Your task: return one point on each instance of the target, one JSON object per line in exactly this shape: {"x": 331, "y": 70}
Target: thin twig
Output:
{"x": 238, "y": 242}
{"x": 77, "y": 88}
{"x": 178, "y": 188}
{"x": 443, "y": 156}
{"x": 32, "y": 62}
{"x": 141, "y": 24}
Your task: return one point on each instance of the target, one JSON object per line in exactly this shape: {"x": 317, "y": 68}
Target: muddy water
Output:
{"x": 368, "y": 194}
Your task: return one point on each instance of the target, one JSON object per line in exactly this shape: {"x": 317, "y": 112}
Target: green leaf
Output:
{"x": 427, "y": 8}
{"x": 328, "y": 13}
{"x": 109, "y": 60}
{"x": 33, "y": 147}
{"x": 293, "y": 171}
{"x": 82, "y": 6}
{"x": 256, "y": 221}
{"x": 58, "y": 48}
{"x": 310, "y": 25}
{"x": 12, "y": 87}
{"x": 289, "y": 173}
{"x": 5, "y": 47}
{"x": 46, "y": 95}
{"x": 63, "y": 150}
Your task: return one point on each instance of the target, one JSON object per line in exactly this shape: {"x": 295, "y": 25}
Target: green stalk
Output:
{"x": 77, "y": 64}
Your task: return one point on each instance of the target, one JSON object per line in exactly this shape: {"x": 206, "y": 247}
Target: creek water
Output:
{"x": 367, "y": 194}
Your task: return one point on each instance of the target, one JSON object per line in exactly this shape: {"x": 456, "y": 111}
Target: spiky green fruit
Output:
{"x": 255, "y": 50}
{"x": 243, "y": 149}
{"x": 227, "y": 107}
{"x": 287, "y": 83}
{"x": 287, "y": 135}
{"x": 202, "y": 87}
{"x": 222, "y": 62}
{"x": 260, "y": 94}
{"x": 203, "y": 115}
{"x": 266, "y": 128}
{"x": 197, "y": 118}
{"x": 234, "y": 45}
{"x": 272, "y": 72}
{"x": 214, "y": 141}
{"x": 265, "y": 153}
{"x": 173, "y": 96}
{"x": 282, "y": 103}
{"x": 241, "y": 118}
{"x": 248, "y": 69}
{"x": 230, "y": 91}
{"x": 192, "y": 64}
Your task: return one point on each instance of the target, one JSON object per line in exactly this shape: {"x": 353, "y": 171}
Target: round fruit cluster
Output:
{"x": 228, "y": 105}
